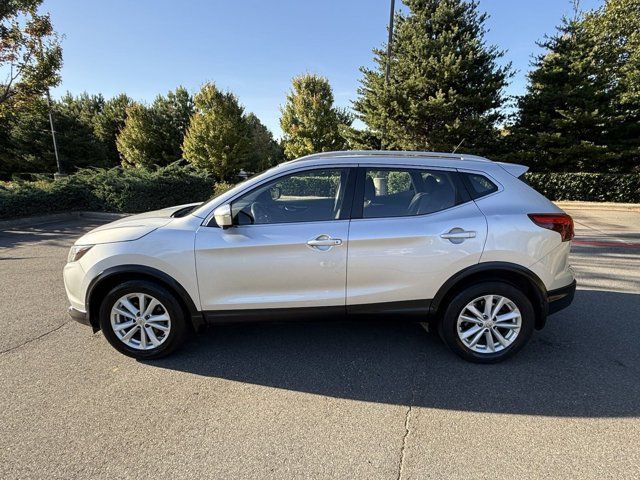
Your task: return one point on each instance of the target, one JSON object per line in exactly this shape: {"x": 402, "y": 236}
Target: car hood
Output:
{"x": 131, "y": 228}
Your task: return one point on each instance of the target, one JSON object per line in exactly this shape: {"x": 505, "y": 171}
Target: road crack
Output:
{"x": 11, "y": 349}
{"x": 404, "y": 440}
{"x": 407, "y": 422}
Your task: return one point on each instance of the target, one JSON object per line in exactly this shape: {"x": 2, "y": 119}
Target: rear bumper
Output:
{"x": 561, "y": 297}
{"x": 79, "y": 316}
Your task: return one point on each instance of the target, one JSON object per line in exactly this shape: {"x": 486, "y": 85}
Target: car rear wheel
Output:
{"x": 488, "y": 322}
{"x": 142, "y": 320}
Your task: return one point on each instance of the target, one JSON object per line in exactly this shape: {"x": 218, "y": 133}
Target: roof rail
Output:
{"x": 391, "y": 153}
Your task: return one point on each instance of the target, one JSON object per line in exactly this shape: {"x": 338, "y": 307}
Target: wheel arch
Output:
{"x": 109, "y": 278}
{"x": 517, "y": 275}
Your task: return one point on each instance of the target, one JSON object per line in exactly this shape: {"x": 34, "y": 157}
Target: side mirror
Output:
{"x": 276, "y": 192}
{"x": 223, "y": 217}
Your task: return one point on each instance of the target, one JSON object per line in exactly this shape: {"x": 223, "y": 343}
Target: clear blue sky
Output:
{"x": 254, "y": 47}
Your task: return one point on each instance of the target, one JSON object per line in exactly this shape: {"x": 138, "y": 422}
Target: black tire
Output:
{"x": 176, "y": 335}
{"x": 449, "y": 329}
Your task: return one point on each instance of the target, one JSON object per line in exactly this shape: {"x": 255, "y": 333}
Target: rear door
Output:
{"x": 287, "y": 248}
{"x": 412, "y": 229}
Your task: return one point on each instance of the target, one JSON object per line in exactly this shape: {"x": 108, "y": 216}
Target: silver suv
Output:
{"x": 456, "y": 241}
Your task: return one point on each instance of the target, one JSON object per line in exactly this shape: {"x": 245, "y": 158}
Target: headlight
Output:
{"x": 77, "y": 252}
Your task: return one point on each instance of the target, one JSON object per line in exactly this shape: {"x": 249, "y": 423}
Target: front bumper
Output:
{"x": 561, "y": 297}
{"x": 79, "y": 316}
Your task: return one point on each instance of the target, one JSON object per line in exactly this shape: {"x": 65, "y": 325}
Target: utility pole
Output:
{"x": 387, "y": 73}
{"x": 59, "y": 173}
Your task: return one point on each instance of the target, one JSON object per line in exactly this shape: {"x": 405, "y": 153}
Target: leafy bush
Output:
{"x": 109, "y": 190}
{"x": 596, "y": 187}
{"x": 138, "y": 190}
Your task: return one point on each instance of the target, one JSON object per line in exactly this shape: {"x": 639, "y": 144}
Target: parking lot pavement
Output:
{"x": 322, "y": 400}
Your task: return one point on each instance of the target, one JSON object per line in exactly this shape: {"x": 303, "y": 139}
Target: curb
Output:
{"x": 59, "y": 217}
{"x": 610, "y": 206}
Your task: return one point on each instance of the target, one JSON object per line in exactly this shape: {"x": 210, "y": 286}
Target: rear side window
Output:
{"x": 390, "y": 192}
{"x": 479, "y": 185}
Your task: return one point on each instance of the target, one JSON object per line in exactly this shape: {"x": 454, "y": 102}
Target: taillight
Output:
{"x": 558, "y": 222}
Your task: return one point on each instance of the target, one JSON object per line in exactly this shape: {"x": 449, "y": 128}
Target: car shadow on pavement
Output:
{"x": 585, "y": 363}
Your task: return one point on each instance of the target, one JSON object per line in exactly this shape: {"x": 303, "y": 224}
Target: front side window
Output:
{"x": 308, "y": 196}
{"x": 408, "y": 192}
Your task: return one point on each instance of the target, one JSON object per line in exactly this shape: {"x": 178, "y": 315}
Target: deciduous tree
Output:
{"x": 30, "y": 52}
{"x": 310, "y": 122}
{"x": 153, "y": 135}
{"x": 218, "y": 138}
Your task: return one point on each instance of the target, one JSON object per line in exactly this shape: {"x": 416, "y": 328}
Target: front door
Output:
{"x": 287, "y": 248}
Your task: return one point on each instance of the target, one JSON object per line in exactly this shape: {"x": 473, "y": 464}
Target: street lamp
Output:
{"x": 387, "y": 73}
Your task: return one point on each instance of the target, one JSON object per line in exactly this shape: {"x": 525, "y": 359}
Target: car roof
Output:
{"x": 388, "y": 157}
{"x": 391, "y": 157}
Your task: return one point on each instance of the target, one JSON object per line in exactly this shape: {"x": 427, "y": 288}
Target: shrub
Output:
{"x": 137, "y": 190}
{"x": 109, "y": 190}
{"x": 597, "y": 187}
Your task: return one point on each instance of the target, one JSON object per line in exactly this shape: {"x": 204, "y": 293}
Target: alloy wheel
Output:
{"x": 489, "y": 324}
{"x": 140, "y": 321}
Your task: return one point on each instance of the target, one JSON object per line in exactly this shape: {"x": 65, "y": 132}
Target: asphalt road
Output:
{"x": 335, "y": 400}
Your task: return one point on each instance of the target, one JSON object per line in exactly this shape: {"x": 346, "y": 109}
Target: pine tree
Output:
{"x": 218, "y": 138}
{"x": 309, "y": 120}
{"x": 74, "y": 117}
{"x": 563, "y": 116}
{"x": 265, "y": 151}
{"x": 110, "y": 122}
{"x": 445, "y": 84}
{"x": 615, "y": 30}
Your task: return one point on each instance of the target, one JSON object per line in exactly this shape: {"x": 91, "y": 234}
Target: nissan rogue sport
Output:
{"x": 456, "y": 241}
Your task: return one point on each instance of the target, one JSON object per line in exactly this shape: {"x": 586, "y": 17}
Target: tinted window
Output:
{"x": 309, "y": 196}
{"x": 406, "y": 192}
{"x": 479, "y": 185}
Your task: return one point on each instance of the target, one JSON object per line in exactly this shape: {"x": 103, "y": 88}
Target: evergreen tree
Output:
{"x": 445, "y": 83}
{"x": 581, "y": 111}
{"x": 173, "y": 114}
{"x": 265, "y": 151}
{"x": 153, "y": 135}
{"x": 309, "y": 121}
{"x": 109, "y": 122}
{"x": 615, "y": 33}
{"x": 218, "y": 138}
{"x": 26, "y": 147}
{"x": 29, "y": 146}
{"x": 562, "y": 118}
{"x": 74, "y": 117}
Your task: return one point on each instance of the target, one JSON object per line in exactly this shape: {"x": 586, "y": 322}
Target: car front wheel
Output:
{"x": 488, "y": 322}
{"x": 142, "y": 320}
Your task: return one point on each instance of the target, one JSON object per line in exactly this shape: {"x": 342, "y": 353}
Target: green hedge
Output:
{"x": 595, "y": 187}
{"x": 139, "y": 190}
{"x": 109, "y": 190}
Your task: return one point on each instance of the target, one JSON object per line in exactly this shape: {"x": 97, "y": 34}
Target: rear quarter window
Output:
{"x": 479, "y": 186}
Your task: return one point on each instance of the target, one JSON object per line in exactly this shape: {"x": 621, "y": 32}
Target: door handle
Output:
{"x": 324, "y": 242}
{"x": 449, "y": 236}
{"x": 458, "y": 235}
